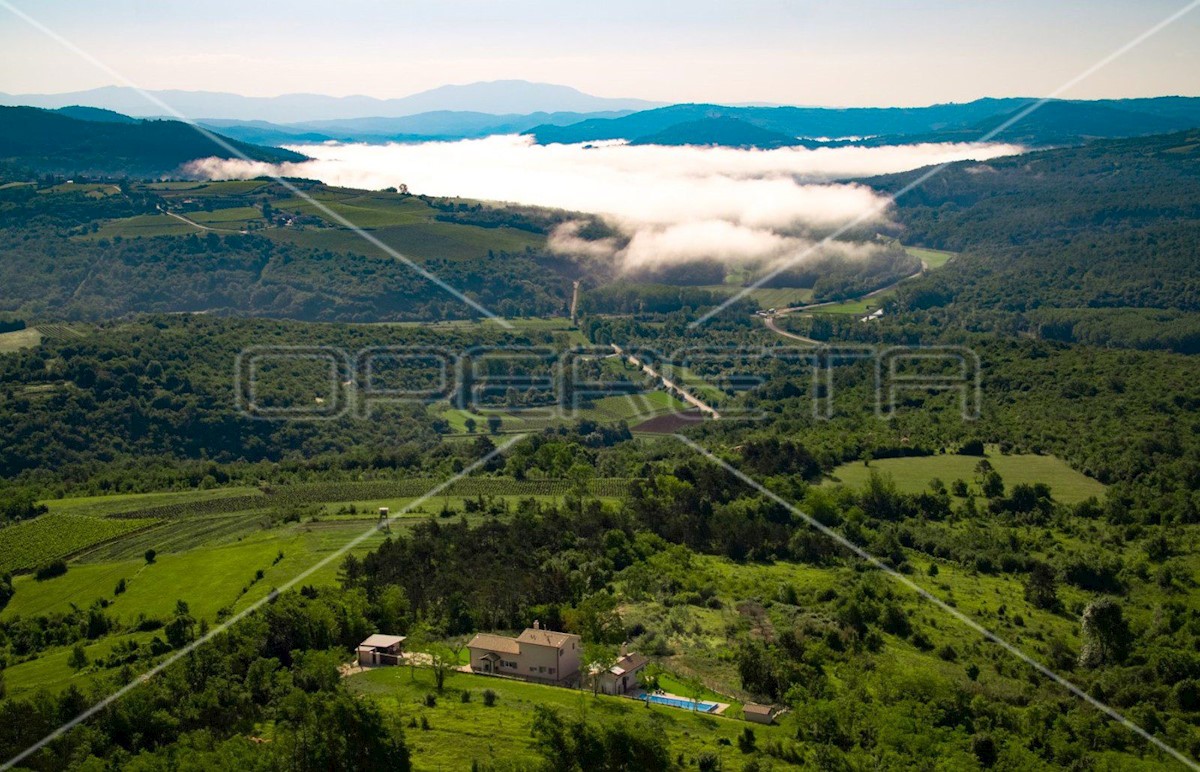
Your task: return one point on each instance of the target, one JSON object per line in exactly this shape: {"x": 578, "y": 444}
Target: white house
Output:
{"x": 536, "y": 655}
{"x": 622, "y": 677}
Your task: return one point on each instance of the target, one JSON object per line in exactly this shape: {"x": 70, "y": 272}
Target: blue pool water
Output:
{"x": 675, "y": 702}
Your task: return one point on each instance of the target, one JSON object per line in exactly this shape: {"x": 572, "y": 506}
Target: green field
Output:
{"x": 219, "y": 188}
{"x": 92, "y": 189}
{"x": 143, "y": 225}
{"x": 363, "y": 210}
{"x": 33, "y": 543}
{"x": 233, "y": 218}
{"x": 19, "y": 339}
{"x": 422, "y": 240}
{"x": 405, "y": 224}
{"x": 106, "y": 528}
{"x": 113, "y": 504}
{"x": 773, "y": 297}
{"x": 632, "y": 407}
{"x": 912, "y": 474}
{"x": 865, "y": 306}
{"x": 933, "y": 258}
{"x": 462, "y": 732}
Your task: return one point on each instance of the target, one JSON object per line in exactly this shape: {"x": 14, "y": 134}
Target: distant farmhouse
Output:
{"x": 535, "y": 655}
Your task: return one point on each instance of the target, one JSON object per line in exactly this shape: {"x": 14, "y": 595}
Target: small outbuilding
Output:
{"x": 381, "y": 650}
{"x": 760, "y": 714}
{"x": 622, "y": 677}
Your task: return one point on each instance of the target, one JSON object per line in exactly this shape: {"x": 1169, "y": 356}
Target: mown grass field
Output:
{"x": 19, "y": 339}
{"x": 190, "y": 189}
{"x": 421, "y": 240}
{"x": 912, "y": 474}
{"x": 233, "y": 218}
{"x": 632, "y": 408}
{"x": 768, "y": 297}
{"x": 92, "y": 189}
{"x": 933, "y": 258}
{"x": 143, "y": 225}
{"x": 98, "y": 506}
{"x": 406, "y": 224}
{"x": 462, "y": 732}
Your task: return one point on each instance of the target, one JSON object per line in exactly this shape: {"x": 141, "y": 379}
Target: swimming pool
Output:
{"x": 678, "y": 702}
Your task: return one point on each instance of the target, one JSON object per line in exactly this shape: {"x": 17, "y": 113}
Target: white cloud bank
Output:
{"x": 672, "y": 204}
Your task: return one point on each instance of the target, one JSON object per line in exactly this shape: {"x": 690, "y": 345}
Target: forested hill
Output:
{"x": 1098, "y": 230}
{"x": 93, "y": 142}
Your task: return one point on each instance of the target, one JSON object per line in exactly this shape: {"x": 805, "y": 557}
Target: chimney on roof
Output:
{"x": 624, "y": 649}
{"x": 537, "y": 625}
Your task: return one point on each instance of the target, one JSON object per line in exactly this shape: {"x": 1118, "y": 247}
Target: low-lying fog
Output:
{"x": 671, "y": 204}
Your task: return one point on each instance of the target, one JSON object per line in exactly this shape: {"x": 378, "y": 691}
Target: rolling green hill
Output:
{"x": 59, "y": 142}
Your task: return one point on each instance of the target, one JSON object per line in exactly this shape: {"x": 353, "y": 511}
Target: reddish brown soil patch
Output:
{"x": 670, "y": 423}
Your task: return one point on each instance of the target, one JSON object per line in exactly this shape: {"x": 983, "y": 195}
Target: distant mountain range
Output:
{"x": 502, "y": 97}
{"x": 1054, "y": 123}
{"x": 560, "y": 114}
{"x": 98, "y": 140}
{"x": 437, "y": 125}
{"x": 1058, "y": 122}
{"x": 86, "y": 140}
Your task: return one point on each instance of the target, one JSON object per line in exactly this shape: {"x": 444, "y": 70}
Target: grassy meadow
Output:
{"x": 912, "y": 474}
{"x": 460, "y": 732}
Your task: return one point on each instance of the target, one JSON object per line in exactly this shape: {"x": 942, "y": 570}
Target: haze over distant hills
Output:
{"x": 551, "y": 113}
{"x": 495, "y": 97}
{"x": 93, "y": 137}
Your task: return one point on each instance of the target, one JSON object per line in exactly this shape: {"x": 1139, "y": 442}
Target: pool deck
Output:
{"x": 717, "y": 711}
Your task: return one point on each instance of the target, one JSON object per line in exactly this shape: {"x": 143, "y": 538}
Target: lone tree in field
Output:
{"x": 150, "y": 556}
{"x": 1105, "y": 634}
{"x": 1041, "y": 587}
{"x": 443, "y": 660}
{"x": 79, "y": 658}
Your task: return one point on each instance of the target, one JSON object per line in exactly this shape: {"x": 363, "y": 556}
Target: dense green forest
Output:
{"x": 1092, "y": 232}
{"x": 143, "y": 504}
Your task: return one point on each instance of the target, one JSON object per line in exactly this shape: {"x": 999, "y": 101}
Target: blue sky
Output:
{"x": 859, "y": 52}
